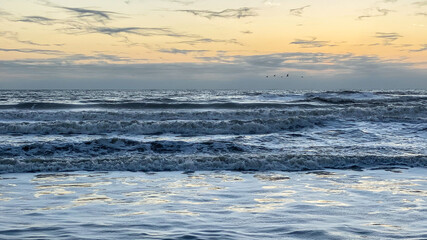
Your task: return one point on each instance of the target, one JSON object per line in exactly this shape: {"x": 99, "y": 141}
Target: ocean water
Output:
{"x": 213, "y": 164}
{"x": 210, "y": 130}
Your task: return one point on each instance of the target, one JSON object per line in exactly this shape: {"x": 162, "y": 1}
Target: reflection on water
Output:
{"x": 129, "y": 214}
{"x": 241, "y": 205}
{"x": 55, "y": 191}
{"x": 92, "y": 198}
{"x": 326, "y": 203}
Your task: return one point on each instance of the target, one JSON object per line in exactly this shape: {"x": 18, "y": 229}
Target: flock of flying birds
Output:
{"x": 287, "y": 75}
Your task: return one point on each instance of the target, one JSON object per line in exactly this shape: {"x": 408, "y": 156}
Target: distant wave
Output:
{"x": 138, "y": 105}
{"x": 311, "y": 100}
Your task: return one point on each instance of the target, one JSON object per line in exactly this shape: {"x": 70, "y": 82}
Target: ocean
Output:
{"x": 213, "y": 164}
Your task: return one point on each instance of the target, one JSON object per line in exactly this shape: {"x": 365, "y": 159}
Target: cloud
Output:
{"x": 422, "y": 49}
{"x": 421, "y": 14}
{"x": 90, "y": 14}
{"x": 320, "y": 70}
{"x": 406, "y": 45}
{"x": 14, "y": 37}
{"x": 182, "y": 2}
{"x": 246, "y": 32}
{"x": 141, "y": 31}
{"x": 38, "y": 19}
{"x": 271, "y": 3}
{"x": 123, "y": 32}
{"x": 298, "y": 11}
{"x": 94, "y": 21}
{"x": 311, "y": 43}
{"x": 180, "y": 51}
{"x": 227, "y": 13}
{"x": 378, "y": 12}
{"x": 74, "y": 59}
{"x": 420, "y": 4}
{"x": 98, "y": 58}
{"x": 4, "y": 13}
{"x": 387, "y": 38}
{"x": 30, "y": 50}
{"x": 210, "y": 40}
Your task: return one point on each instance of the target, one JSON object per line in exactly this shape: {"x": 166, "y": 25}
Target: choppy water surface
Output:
{"x": 210, "y": 130}
{"x": 213, "y": 165}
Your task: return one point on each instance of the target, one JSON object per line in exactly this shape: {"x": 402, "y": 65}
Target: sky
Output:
{"x": 219, "y": 44}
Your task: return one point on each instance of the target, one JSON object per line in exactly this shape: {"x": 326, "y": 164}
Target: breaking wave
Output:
{"x": 210, "y": 130}
{"x": 198, "y": 162}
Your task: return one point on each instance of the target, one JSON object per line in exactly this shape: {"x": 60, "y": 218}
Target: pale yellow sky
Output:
{"x": 265, "y": 27}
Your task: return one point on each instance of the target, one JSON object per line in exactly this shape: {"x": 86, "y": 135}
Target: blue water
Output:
{"x": 213, "y": 164}
{"x": 387, "y": 203}
{"x": 154, "y": 130}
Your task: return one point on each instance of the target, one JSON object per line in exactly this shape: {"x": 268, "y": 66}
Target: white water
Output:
{"x": 210, "y": 130}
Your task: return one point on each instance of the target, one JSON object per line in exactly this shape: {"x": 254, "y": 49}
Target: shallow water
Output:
{"x": 385, "y": 203}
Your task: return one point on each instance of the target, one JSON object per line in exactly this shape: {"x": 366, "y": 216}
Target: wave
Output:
{"x": 114, "y": 146}
{"x": 251, "y": 101}
{"x": 216, "y": 130}
{"x": 291, "y": 110}
{"x": 368, "y": 98}
{"x": 134, "y": 127}
{"x": 141, "y": 105}
{"x": 257, "y": 121}
{"x": 198, "y": 162}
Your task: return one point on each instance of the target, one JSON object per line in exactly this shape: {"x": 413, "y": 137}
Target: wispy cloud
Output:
{"x": 377, "y": 12}
{"x": 74, "y": 60}
{"x": 141, "y": 31}
{"x": 210, "y": 40}
{"x": 30, "y": 50}
{"x": 78, "y": 28}
{"x": 298, "y": 11}
{"x": 421, "y": 14}
{"x": 387, "y": 38}
{"x": 227, "y": 13}
{"x": 4, "y": 13}
{"x": 14, "y": 37}
{"x": 90, "y": 14}
{"x": 37, "y": 19}
{"x": 422, "y": 49}
{"x": 180, "y": 51}
{"x": 312, "y": 43}
{"x": 420, "y": 3}
{"x": 90, "y": 21}
{"x": 271, "y": 3}
{"x": 247, "y": 32}
{"x": 183, "y": 2}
